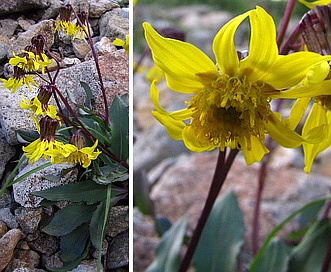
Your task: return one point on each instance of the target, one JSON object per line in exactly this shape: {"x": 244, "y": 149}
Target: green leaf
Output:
{"x": 310, "y": 214}
{"x": 89, "y": 95}
{"x": 162, "y": 224}
{"x": 69, "y": 218}
{"x": 309, "y": 254}
{"x": 73, "y": 244}
{"x": 274, "y": 259}
{"x": 221, "y": 238}
{"x": 119, "y": 124}
{"x": 141, "y": 193}
{"x": 280, "y": 226}
{"x": 167, "y": 258}
{"x": 96, "y": 224}
{"x": 97, "y": 130}
{"x": 70, "y": 265}
{"x": 88, "y": 191}
{"x": 26, "y": 136}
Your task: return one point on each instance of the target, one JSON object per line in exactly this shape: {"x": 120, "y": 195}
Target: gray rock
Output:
{"x": 23, "y": 258}
{"x": 53, "y": 261}
{"x": 155, "y": 151}
{"x": 28, "y": 269}
{"x": 37, "y": 182}
{"x": 87, "y": 266}
{"x": 6, "y": 153}
{"x": 45, "y": 244}
{"x": 81, "y": 48}
{"x": 53, "y": 10}
{"x": 8, "y": 27}
{"x": 78, "y": 5}
{"x": 4, "y": 46}
{"x": 8, "y": 218}
{"x": 112, "y": 25}
{"x": 12, "y": 117}
{"x": 67, "y": 62}
{"x": 69, "y": 79}
{"x": 117, "y": 222}
{"x": 8, "y": 243}
{"x": 45, "y": 27}
{"x": 9, "y": 6}
{"x": 3, "y": 228}
{"x": 24, "y": 23}
{"x": 6, "y": 200}
{"x": 28, "y": 218}
{"x": 99, "y": 7}
{"x": 118, "y": 251}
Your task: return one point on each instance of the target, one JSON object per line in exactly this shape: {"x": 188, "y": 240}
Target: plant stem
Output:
{"x": 257, "y": 207}
{"x": 222, "y": 168}
{"x": 261, "y": 183}
{"x": 285, "y": 21}
{"x": 96, "y": 60}
{"x": 327, "y": 259}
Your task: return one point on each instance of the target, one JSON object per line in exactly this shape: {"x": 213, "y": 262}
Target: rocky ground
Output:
{"x": 180, "y": 180}
{"x": 23, "y": 246}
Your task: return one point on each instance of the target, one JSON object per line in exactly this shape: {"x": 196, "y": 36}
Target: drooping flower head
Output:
{"x": 79, "y": 153}
{"x": 46, "y": 145}
{"x": 65, "y": 24}
{"x": 230, "y": 102}
{"x": 39, "y": 104}
{"x": 17, "y": 80}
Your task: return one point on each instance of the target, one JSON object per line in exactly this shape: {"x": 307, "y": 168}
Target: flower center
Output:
{"x": 324, "y": 101}
{"x": 228, "y": 111}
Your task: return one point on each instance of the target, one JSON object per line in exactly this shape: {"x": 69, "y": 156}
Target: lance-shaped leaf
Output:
{"x": 221, "y": 238}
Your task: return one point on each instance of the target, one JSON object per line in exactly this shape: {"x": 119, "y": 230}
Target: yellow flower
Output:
{"x": 70, "y": 28}
{"x": 18, "y": 80}
{"x": 135, "y": 2}
{"x": 83, "y": 156}
{"x": 315, "y": 3}
{"x": 230, "y": 102}
{"x": 46, "y": 146}
{"x": 35, "y": 105}
{"x": 30, "y": 62}
{"x": 124, "y": 44}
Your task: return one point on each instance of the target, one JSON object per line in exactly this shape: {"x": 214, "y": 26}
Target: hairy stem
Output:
{"x": 222, "y": 168}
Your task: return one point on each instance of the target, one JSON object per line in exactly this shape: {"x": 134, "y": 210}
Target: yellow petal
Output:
{"x": 289, "y": 70}
{"x": 257, "y": 151}
{"x": 323, "y": 88}
{"x": 282, "y": 134}
{"x": 223, "y": 46}
{"x": 192, "y": 142}
{"x": 315, "y": 3}
{"x": 297, "y": 112}
{"x": 263, "y": 49}
{"x": 319, "y": 121}
{"x": 180, "y": 61}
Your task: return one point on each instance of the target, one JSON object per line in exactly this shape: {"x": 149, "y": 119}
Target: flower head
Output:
{"x": 46, "y": 145}
{"x": 18, "y": 80}
{"x": 79, "y": 153}
{"x": 39, "y": 104}
{"x": 64, "y": 23}
{"x": 230, "y": 102}
{"x": 30, "y": 62}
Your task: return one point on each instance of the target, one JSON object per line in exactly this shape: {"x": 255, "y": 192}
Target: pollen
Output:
{"x": 229, "y": 111}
